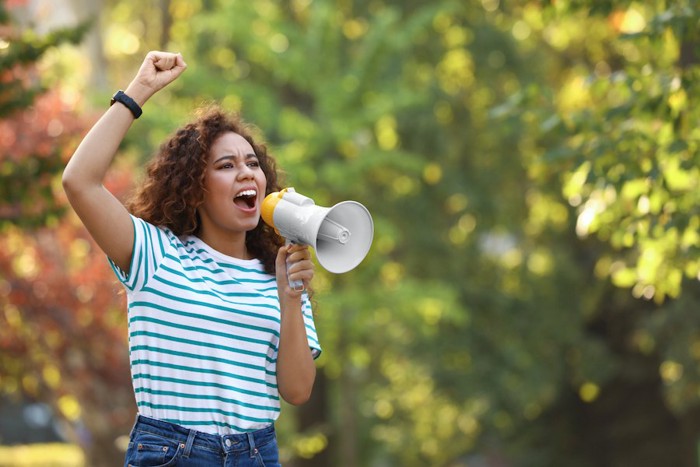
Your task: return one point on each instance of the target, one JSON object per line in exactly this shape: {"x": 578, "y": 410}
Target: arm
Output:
{"x": 296, "y": 370}
{"x": 103, "y": 215}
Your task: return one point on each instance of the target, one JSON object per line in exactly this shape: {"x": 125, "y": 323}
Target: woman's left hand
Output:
{"x": 293, "y": 264}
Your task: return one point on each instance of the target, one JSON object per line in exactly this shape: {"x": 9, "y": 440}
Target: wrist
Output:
{"x": 289, "y": 303}
{"x": 138, "y": 93}
{"x": 125, "y": 100}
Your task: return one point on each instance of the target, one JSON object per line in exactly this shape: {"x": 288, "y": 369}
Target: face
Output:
{"x": 235, "y": 187}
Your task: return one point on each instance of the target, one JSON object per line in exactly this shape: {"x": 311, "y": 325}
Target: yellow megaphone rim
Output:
{"x": 268, "y": 207}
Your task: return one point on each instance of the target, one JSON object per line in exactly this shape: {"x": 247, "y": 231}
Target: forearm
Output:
{"x": 296, "y": 370}
{"x": 90, "y": 162}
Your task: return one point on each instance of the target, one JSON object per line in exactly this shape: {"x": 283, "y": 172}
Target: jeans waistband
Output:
{"x": 217, "y": 443}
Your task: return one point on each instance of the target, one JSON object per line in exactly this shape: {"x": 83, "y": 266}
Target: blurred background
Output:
{"x": 531, "y": 296}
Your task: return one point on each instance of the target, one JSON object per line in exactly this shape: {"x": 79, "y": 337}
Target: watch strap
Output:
{"x": 121, "y": 97}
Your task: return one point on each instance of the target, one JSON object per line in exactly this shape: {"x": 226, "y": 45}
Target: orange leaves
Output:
{"x": 60, "y": 299}
{"x": 15, "y": 3}
{"x": 35, "y": 144}
{"x": 47, "y": 128}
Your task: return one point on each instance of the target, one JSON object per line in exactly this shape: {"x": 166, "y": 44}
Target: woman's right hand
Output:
{"x": 157, "y": 71}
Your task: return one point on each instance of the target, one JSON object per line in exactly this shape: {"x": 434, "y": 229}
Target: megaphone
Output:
{"x": 341, "y": 235}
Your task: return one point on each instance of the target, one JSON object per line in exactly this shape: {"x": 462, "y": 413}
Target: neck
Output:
{"x": 230, "y": 245}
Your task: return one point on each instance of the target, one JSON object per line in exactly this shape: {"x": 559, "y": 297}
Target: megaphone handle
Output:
{"x": 294, "y": 285}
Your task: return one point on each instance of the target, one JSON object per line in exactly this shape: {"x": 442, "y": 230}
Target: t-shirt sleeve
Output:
{"x": 311, "y": 335}
{"x": 149, "y": 250}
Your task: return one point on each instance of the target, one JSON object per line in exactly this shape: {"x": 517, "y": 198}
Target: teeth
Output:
{"x": 246, "y": 193}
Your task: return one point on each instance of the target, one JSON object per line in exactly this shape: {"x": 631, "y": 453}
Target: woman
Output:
{"x": 216, "y": 335}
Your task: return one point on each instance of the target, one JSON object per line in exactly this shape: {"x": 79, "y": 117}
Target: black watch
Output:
{"x": 130, "y": 104}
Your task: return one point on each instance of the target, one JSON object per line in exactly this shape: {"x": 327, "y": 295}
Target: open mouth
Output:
{"x": 246, "y": 199}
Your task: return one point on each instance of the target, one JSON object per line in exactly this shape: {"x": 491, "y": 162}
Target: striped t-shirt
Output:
{"x": 203, "y": 334}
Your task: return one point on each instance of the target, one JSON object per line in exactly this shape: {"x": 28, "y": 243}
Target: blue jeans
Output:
{"x": 155, "y": 443}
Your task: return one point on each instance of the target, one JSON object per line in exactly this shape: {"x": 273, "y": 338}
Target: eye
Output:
{"x": 253, "y": 164}
{"x": 226, "y": 165}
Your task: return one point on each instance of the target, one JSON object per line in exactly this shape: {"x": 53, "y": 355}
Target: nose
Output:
{"x": 245, "y": 173}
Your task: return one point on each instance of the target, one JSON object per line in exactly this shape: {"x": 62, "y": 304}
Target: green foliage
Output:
{"x": 473, "y": 314}
{"x": 21, "y": 52}
{"x": 389, "y": 104}
{"x": 612, "y": 133}
{"x": 27, "y": 191}
{"x": 625, "y": 135}
{"x": 531, "y": 168}
{"x": 30, "y": 159}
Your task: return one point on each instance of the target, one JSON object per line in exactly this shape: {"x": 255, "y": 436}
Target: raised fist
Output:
{"x": 157, "y": 71}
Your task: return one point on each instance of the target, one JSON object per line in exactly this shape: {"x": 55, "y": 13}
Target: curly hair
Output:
{"x": 173, "y": 188}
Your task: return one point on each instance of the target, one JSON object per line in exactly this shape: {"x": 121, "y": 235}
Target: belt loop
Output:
{"x": 189, "y": 443}
{"x": 251, "y": 442}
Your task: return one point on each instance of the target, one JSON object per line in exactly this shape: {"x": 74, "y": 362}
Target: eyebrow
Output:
{"x": 235, "y": 157}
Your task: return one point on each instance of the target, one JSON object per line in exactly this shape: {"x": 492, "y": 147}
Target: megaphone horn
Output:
{"x": 341, "y": 235}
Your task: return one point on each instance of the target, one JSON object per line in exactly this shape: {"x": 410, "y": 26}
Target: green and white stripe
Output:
{"x": 203, "y": 334}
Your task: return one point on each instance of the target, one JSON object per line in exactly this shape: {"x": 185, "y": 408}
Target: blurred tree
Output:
{"x": 380, "y": 102}
{"x": 623, "y": 126}
{"x": 30, "y": 139}
{"x": 61, "y": 322}
{"x": 607, "y": 133}
{"x": 529, "y": 169}
{"x": 62, "y": 337}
